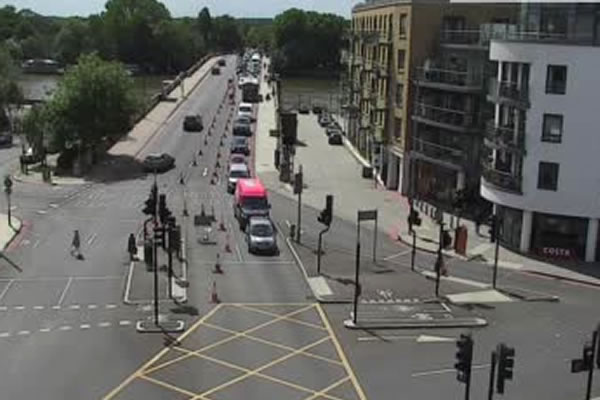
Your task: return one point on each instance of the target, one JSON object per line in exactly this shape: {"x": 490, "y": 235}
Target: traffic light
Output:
{"x": 326, "y": 216}
{"x": 414, "y": 218}
{"x": 464, "y": 358}
{"x": 493, "y": 228}
{"x": 150, "y": 203}
{"x": 506, "y": 363}
{"x": 298, "y": 183}
{"x": 159, "y": 236}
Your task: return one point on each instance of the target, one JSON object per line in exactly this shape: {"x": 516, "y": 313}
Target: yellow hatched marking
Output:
{"x": 323, "y": 392}
{"x": 157, "y": 357}
{"x": 294, "y": 320}
{"x": 167, "y": 385}
{"x": 274, "y": 344}
{"x": 227, "y": 340}
{"x": 338, "y": 347}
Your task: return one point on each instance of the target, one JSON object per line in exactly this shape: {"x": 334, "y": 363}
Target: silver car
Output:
{"x": 236, "y": 172}
{"x": 261, "y": 236}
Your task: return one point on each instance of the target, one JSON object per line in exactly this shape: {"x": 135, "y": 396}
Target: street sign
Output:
{"x": 367, "y": 215}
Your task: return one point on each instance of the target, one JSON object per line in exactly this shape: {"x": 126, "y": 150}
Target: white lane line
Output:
{"x": 446, "y": 371}
{"x": 65, "y": 328}
{"x": 45, "y": 330}
{"x": 104, "y": 324}
{"x": 42, "y": 212}
{"x": 4, "y": 334}
{"x": 124, "y": 323}
{"x": 3, "y": 308}
{"x": 53, "y": 205}
{"x": 56, "y": 307}
{"x": 64, "y": 292}
{"x": 8, "y": 285}
{"x": 74, "y": 306}
{"x": 397, "y": 255}
{"x": 92, "y": 306}
{"x": 85, "y": 326}
{"x": 36, "y": 244}
{"x": 110, "y": 306}
{"x": 38, "y": 307}
{"x": 23, "y": 333}
{"x": 19, "y": 308}
{"x": 91, "y": 239}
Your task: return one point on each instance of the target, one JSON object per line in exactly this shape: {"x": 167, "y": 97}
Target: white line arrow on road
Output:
{"x": 417, "y": 339}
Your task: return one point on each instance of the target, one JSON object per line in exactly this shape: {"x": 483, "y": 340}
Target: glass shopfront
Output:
{"x": 559, "y": 237}
{"x": 511, "y": 221}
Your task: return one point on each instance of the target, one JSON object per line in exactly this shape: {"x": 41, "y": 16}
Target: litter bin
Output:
{"x": 367, "y": 172}
{"x": 460, "y": 240}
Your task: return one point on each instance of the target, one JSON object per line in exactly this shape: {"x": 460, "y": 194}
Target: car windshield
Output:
{"x": 255, "y": 203}
{"x": 245, "y": 109}
{"x": 262, "y": 230}
{"x": 238, "y": 160}
{"x": 239, "y": 141}
{"x": 239, "y": 174}
{"x": 243, "y": 119}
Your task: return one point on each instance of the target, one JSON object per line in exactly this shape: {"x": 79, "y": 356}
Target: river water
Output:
{"x": 309, "y": 92}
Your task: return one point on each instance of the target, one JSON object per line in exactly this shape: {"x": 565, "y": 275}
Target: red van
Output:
{"x": 250, "y": 200}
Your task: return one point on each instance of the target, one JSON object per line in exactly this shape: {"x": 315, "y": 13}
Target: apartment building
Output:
{"x": 542, "y": 144}
{"x": 390, "y": 42}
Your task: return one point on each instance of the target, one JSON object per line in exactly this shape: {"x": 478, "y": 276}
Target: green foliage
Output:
{"x": 10, "y": 93}
{"x": 93, "y": 102}
{"x": 37, "y": 124}
{"x": 308, "y": 40}
{"x": 72, "y": 40}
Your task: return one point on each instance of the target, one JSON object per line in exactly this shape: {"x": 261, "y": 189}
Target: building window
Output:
{"x": 556, "y": 79}
{"x": 552, "y": 128}
{"x": 548, "y": 176}
{"x": 400, "y": 95}
{"x": 397, "y": 128}
{"x": 401, "y": 59}
{"x": 402, "y": 25}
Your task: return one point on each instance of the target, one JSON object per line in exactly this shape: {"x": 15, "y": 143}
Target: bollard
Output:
{"x": 218, "y": 269}
{"x": 214, "y": 297}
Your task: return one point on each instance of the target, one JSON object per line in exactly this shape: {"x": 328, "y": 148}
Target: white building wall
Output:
{"x": 578, "y": 191}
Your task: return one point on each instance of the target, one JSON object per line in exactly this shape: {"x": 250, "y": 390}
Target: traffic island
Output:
{"x": 164, "y": 326}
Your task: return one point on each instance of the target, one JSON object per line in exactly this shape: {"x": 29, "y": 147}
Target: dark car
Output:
{"x": 222, "y": 62}
{"x": 239, "y": 145}
{"x": 6, "y": 140}
{"x": 317, "y": 109}
{"x": 193, "y": 123}
{"x": 242, "y": 128}
{"x": 303, "y": 109}
{"x": 335, "y": 139}
{"x": 158, "y": 162}
{"x": 332, "y": 130}
{"x": 215, "y": 71}
{"x": 325, "y": 119}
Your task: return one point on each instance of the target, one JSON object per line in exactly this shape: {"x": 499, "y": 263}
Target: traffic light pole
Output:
{"x": 356, "y": 274}
{"x": 319, "y": 249}
{"x": 492, "y": 375}
{"x": 496, "y": 251}
{"x": 588, "y": 392}
{"x": 413, "y": 253}
{"x": 155, "y": 262}
{"x": 170, "y": 261}
{"x": 299, "y": 190}
{"x": 440, "y": 260}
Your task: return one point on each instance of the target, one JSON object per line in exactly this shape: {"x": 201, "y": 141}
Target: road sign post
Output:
{"x": 366, "y": 215}
{"x": 8, "y": 190}
{"x": 298, "y": 187}
{"x": 492, "y": 376}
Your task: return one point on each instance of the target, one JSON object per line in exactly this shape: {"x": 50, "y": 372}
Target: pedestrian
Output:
{"x": 131, "y": 247}
{"x": 76, "y": 244}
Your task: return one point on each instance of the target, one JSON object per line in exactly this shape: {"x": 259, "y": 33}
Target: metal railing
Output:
{"x": 449, "y": 77}
{"x": 506, "y": 136}
{"x": 501, "y": 179}
{"x": 447, "y": 116}
{"x": 508, "y": 90}
{"x": 438, "y": 152}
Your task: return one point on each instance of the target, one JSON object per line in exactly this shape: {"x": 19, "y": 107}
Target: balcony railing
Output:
{"x": 506, "y": 136}
{"x": 466, "y": 79}
{"x": 500, "y": 179}
{"x": 439, "y": 152}
{"x": 508, "y": 90}
{"x": 456, "y": 118}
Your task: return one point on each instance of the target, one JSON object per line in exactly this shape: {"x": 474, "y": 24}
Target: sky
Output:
{"x": 178, "y": 8}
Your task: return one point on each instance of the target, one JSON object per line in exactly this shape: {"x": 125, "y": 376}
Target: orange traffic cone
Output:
{"x": 218, "y": 155}
{"x": 218, "y": 269}
{"x": 212, "y": 181}
{"x": 218, "y": 164}
{"x": 214, "y": 297}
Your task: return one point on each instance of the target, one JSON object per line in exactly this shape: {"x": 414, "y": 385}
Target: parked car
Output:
{"x": 222, "y": 62}
{"x": 239, "y": 145}
{"x": 237, "y": 159}
{"x": 245, "y": 110}
{"x": 193, "y": 123}
{"x": 242, "y": 128}
{"x": 303, "y": 109}
{"x": 261, "y": 236}
{"x": 6, "y": 140}
{"x": 317, "y": 109}
{"x": 332, "y": 129}
{"x": 158, "y": 162}
{"x": 236, "y": 172}
{"x": 215, "y": 71}
{"x": 324, "y": 119}
{"x": 335, "y": 139}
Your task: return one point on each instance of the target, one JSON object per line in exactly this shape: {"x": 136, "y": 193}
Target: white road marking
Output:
{"x": 205, "y": 172}
{"x": 74, "y": 306}
{"x": 56, "y": 307}
{"x": 483, "y": 296}
{"x": 19, "y": 308}
{"x": 403, "y": 253}
{"x": 53, "y": 205}
{"x": 64, "y": 292}
{"x": 111, "y": 306}
{"x": 418, "y": 339}
{"x": 104, "y": 324}
{"x": 45, "y": 330}
{"x": 38, "y": 307}
{"x": 124, "y": 323}
{"x": 4, "y": 334}
{"x": 8, "y": 285}
{"x": 42, "y": 212}
{"x": 469, "y": 282}
{"x": 36, "y": 244}
{"x": 446, "y": 371}
{"x": 319, "y": 286}
{"x": 23, "y": 333}
{"x": 65, "y": 328}
{"x": 12, "y": 208}
{"x": 92, "y": 306}
{"x": 480, "y": 249}
{"x": 85, "y": 326}
{"x": 91, "y": 239}
{"x": 3, "y": 308}
{"x": 25, "y": 242}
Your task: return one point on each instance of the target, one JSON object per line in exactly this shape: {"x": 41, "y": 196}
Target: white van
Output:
{"x": 245, "y": 110}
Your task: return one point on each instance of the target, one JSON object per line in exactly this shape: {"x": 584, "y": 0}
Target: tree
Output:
{"x": 93, "y": 102}
{"x": 36, "y": 124}
{"x": 205, "y": 25}
{"x": 72, "y": 41}
{"x": 10, "y": 93}
{"x": 226, "y": 34}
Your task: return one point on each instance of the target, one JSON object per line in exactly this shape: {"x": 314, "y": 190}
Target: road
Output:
{"x": 65, "y": 331}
